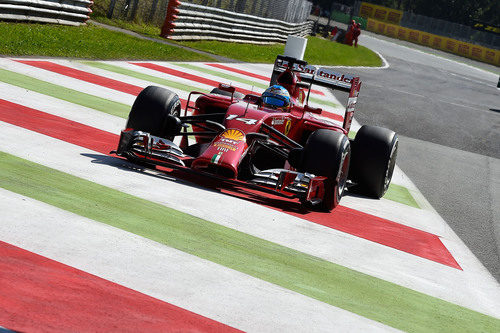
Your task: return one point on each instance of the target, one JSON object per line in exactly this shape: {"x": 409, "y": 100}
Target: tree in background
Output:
{"x": 459, "y": 11}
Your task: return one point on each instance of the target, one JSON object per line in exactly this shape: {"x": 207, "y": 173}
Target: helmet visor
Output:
{"x": 269, "y": 100}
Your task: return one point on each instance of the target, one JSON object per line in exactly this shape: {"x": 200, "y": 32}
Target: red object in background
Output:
{"x": 356, "y": 33}
{"x": 353, "y": 32}
{"x": 349, "y": 34}
{"x": 168, "y": 26}
{"x": 348, "y": 37}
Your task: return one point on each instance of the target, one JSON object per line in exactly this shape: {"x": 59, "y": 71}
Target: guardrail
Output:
{"x": 67, "y": 12}
{"x": 450, "y": 45}
{"x": 186, "y": 21}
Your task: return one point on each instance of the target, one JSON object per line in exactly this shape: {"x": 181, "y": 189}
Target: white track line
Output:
{"x": 64, "y": 109}
{"x": 472, "y": 288}
{"x": 68, "y": 82}
{"x": 187, "y": 281}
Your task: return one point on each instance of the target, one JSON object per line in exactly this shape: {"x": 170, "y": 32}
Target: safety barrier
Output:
{"x": 389, "y": 15}
{"x": 68, "y": 12}
{"x": 468, "y": 50}
{"x": 345, "y": 18}
{"x": 186, "y": 21}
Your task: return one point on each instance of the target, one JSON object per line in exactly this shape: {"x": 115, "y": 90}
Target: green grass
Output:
{"x": 144, "y": 29}
{"x": 319, "y": 51}
{"x": 339, "y": 286}
{"x": 93, "y": 42}
{"x": 324, "y": 52}
{"x": 90, "y": 42}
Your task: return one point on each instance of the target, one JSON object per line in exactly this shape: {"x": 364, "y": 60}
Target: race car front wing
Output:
{"x": 139, "y": 146}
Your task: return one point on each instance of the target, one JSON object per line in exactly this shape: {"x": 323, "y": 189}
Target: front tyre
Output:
{"x": 151, "y": 110}
{"x": 374, "y": 155}
{"x": 327, "y": 153}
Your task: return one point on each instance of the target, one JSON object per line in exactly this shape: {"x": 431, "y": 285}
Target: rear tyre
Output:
{"x": 237, "y": 95}
{"x": 327, "y": 153}
{"x": 151, "y": 110}
{"x": 374, "y": 153}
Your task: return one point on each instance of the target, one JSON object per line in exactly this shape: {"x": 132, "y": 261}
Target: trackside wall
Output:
{"x": 451, "y": 45}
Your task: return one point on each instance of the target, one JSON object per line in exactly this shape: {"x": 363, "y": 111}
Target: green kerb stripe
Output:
{"x": 400, "y": 194}
{"x": 145, "y": 77}
{"x": 233, "y": 78}
{"x": 67, "y": 94}
{"x": 339, "y": 286}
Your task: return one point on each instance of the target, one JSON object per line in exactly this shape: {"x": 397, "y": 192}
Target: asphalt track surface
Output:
{"x": 447, "y": 114}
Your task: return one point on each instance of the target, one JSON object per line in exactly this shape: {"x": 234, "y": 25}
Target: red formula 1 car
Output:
{"x": 237, "y": 139}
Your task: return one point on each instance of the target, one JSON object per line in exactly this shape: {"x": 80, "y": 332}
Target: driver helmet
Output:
{"x": 276, "y": 97}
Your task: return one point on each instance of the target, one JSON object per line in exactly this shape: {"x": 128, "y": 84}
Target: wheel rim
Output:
{"x": 342, "y": 175}
{"x": 390, "y": 166}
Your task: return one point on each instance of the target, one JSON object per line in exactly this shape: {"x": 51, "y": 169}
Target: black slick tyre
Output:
{"x": 327, "y": 153}
{"x": 151, "y": 109}
{"x": 374, "y": 152}
{"x": 237, "y": 95}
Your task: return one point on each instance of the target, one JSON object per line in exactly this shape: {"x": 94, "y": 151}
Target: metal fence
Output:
{"x": 456, "y": 31}
{"x": 197, "y": 22}
{"x": 69, "y": 12}
{"x": 154, "y": 11}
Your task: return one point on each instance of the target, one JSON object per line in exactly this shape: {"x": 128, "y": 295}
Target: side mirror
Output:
{"x": 227, "y": 87}
{"x": 253, "y": 99}
{"x": 308, "y": 108}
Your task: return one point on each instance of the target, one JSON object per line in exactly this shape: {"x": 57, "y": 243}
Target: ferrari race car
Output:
{"x": 239, "y": 140}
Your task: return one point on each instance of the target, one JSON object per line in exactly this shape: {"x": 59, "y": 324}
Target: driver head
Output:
{"x": 276, "y": 97}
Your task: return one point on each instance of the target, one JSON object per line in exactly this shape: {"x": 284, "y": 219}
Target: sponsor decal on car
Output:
{"x": 229, "y": 140}
{"x": 225, "y": 147}
{"x": 278, "y": 121}
{"x": 351, "y": 103}
{"x": 288, "y": 126}
{"x": 216, "y": 158}
{"x": 233, "y": 134}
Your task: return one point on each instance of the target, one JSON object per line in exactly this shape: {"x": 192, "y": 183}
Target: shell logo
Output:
{"x": 302, "y": 96}
{"x": 288, "y": 126}
{"x": 233, "y": 134}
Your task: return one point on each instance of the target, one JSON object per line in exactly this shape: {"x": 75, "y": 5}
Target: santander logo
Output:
{"x": 334, "y": 76}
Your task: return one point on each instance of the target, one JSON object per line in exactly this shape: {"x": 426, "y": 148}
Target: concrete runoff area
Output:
{"x": 121, "y": 211}
{"x": 154, "y": 190}
{"x": 468, "y": 186}
{"x": 451, "y": 106}
{"x": 165, "y": 273}
{"x": 364, "y": 251}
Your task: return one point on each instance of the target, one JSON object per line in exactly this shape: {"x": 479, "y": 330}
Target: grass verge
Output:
{"x": 89, "y": 42}
{"x": 93, "y": 42}
{"x": 319, "y": 50}
{"x": 339, "y": 286}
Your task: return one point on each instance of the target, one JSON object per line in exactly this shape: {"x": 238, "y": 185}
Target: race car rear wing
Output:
{"x": 324, "y": 77}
